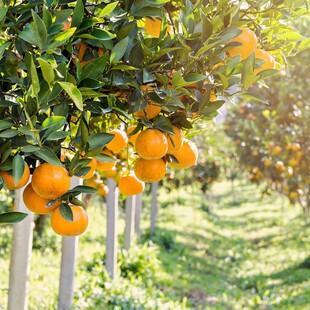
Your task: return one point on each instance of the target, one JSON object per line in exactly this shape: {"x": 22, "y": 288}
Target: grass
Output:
{"x": 240, "y": 251}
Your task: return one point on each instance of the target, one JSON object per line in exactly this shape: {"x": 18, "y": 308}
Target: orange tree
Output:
{"x": 71, "y": 71}
{"x": 272, "y": 141}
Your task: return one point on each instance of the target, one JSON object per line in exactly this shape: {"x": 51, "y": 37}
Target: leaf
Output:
{"x": 78, "y": 14}
{"x": 47, "y": 71}
{"x": 9, "y": 133}
{"x": 30, "y": 148}
{"x": 66, "y": 212}
{"x": 147, "y": 76}
{"x": 108, "y": 9}
{"x": 12, "y": 217}
{"x": 119, "y": 49}
{"x": 61, "y": 38}
{"x": 58, "y": 135}
{"x": 39, "y": 29}
{"x": 18, "y": 168}
{"x": 84, "y": 189}
{"x": 104, "y": 158}
{"x": 7, "y": 103}
{"x": 99, "y": 139}
{"x": 3, "y": 47}
{"x": 34, "y": 79}
{"x": 5, "y": 124}
{"x": 48, "y": 156}
{"x": 73, "y": 93}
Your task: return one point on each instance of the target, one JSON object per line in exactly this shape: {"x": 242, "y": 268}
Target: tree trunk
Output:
{"x": 20, "y": 257}
{"x": 130, "y": 221}
{"x": 112, "y": 242}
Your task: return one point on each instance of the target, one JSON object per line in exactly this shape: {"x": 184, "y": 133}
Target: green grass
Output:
{"x": 240, "y": 251}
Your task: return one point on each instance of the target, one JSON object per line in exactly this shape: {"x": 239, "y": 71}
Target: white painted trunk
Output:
{"x": 68, "y": 261}
{"x": 20, "y": 257}
{"x": 138, "y": 215}
{"x": 130, "y": 221}
{"x": 153, "y": 207}
{"x": 112, "y": 215}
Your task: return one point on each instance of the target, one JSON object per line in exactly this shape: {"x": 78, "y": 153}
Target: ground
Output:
{"x": 234, "y": 250}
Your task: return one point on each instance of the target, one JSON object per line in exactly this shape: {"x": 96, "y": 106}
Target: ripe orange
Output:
{"x": 37, "y": 204}
{"x": 269, "y": 61}
{"x": 276, "y": 150}
{"x": 105, "y": 166}
{"x": 248, "y": 40}
{"x": 118, "y": 142}
{"x": 130, "y": 185}
{"x": 151, "y": 144}
{"x": 50, "y": 181}
{"x": 279, "y": 166}
{"x": 103, "y": 189}
{"x": 150, "y": 112}
{"x": 153, "y": 27}
{"x": 110, "y": 173}
{"x": 9, "y": 180}
{"x": 132, "y": 138}
{"x": 267, "y": 162}
{"x": 187, "y": 155}
{"x": 91, "y": 172}
{"x": 67, "y": 24}
{"x": 150, "y": 171}
{"x": 65, "y": 228}
{"x": 293, "y": 162}
{"x": 175, "y": 141}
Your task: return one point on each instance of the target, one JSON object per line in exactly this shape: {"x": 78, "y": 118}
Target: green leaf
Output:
{"x": 73, "y": 93}
{"x": 66, "y": 212}
{"x": 99, "y": 139}
{"x": 30, "y": 148}
{"x": 84, "y": 189}
{"x": 108, "y": 9}
{"x": 78, "y": 14}
{"x": 147, "y": 76}
{"x": 48, "y": 156}
{"x": 58, "y": 135}
{"x": 119, "y": 49}
{"x": 104, "y": 158}
{"x": 34, "y": 79}
{"x": 9, "y": 133}
{"x": 18, "y": 168}
{"x": 39, "y": 29}
{"x": 12, "y": 217}
{"x": 3, "y": 47}
{"x": 47, "y": 71}
{"x": 7, "y": 103}
{"x": 61, "y": 38}
{"x": 5, "y": 124}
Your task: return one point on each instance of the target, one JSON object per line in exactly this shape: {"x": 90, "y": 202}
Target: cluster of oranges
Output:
{"x": 247, "y": 44}
{"x": 48, "y": 184}
{"x": 153, "y": 148}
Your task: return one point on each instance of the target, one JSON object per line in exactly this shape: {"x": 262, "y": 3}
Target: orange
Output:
{"x": 152, "y": 27}
{"x": 279, "y": 166}
{"x": 150, "y": 171}
{"x": 293, "y": 147}
{"x": 187, "y": 155}
{"x": 103, "y": 189}
{"x": 175, "y": 141}
{"x": 130, "y": 185}
{"x": 37, "y": 204}
{"x": 293, "y": 195}
{"x": 9, "y": 180}
{"x": 67, "y": 24}
{"x": 118, "y": 142}
{"x": 65, "y": 228}
{"x": 151, "y": 144}
{"x": 110, "y": 173}
{"x": 269, "y": 61}
{"x": 50, "y": 181}
{"x": 150, "y": 112}
{"x": 267, "y": 162}
{"x": 91, "y": 172}
{"x": 105, "y": 166}
{"x": 248, "y": 45}
{"x": 276, "y": 150}
{"x": 293, "y": 162}
{"x": 132, "y": 138}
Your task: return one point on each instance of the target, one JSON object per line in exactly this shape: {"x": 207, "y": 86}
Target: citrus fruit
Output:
{"x": 152, "y": 27}
{"x": 267, "y": 162}
{"x": 50, "y": 181}
{"x": 150, "y": 171}
{"x": 132, "y": 138}
{"x": 118, "y": 142}
{"x": 175, "y": 141}
{"x": 103, "y": 189}
{"x": 186, "y": 156}
{"x": 269, "y": 61}
{"x": 130, "y": 185}
{"x": 91, "y": 172}
{"x": 108, "y": 165}
{"x": 110, "y": 173}
{"x": 36, "y": 203}
{"x": 9, "y": 179}
{"x": 65, "y": 228}
{"x": 150, "y": 112}
{"x": 248, "y": 45}
{"x": 151, "y": 144}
